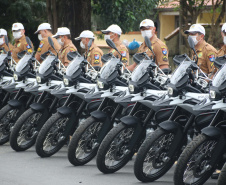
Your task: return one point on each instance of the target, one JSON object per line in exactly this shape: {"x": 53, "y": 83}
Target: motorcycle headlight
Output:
{"x": 38, "y": 78}
{"x": 131, "y": 88}
{"x": 212, "y": 94}
{"x": 66, "y": 81}
{"x": 15, "y": 77}
{"x": 170, "y": 91}
{"x": 100, "y": 84}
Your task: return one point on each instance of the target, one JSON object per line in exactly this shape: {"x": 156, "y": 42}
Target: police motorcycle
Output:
{"x": 222, "y": 177}
{"x": 51, "y": 95}
{"x": 23, "y": 76}
{"x": 6, "y": 73}
{"x": 86, "y": 139}
{"x": 124, "y": 140}
{"x": 58, "y": 128}
{"x": 206, "y": 152}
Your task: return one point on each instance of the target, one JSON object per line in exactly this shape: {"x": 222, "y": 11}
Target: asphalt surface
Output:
{"x": 27, "y": 168}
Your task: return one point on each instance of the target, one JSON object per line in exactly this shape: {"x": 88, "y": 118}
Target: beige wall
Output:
{"x": 206, "y": 17}
{"x": 167, "y": 25}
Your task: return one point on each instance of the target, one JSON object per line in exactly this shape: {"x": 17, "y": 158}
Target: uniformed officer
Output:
{"x": 206, "y": 52}
{"x": 222, "y": 51}
{"x": 44, "y": 31}
{"x": 63, "y": 37}
{"x": 148, "y": 28}
{"x": 113, "y": 33}
{"x": 94, "y": 53}
{"x": 20, "y": 41}
{"x": 3, "y": 33}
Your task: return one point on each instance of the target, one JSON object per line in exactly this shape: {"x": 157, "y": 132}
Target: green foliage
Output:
{"x": 126, "y": 13}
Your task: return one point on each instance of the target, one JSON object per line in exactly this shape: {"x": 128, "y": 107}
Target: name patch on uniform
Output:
{"x": 211, "y": 57}
{"x": 96, "y": 56}
{"x": 164, "y": 51}
{"x": 123, "y": 53}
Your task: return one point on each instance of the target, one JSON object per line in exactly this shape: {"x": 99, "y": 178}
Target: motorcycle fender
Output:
{"x": 212, "y": 131}
{"x": 100, "y": 115}
{"x": 171, "y": 126}
{"x": 37, "y": 106}
{"x": 93, "y": 105}
{"x": 65, "y": 111}
{"x": 14, "y": 103}
{"x": 130, "y": 120}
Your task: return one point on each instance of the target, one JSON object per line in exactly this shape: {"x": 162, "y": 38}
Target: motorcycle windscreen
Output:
{"x": 74, "y": 65}
{"x": 2, "y": 58}
{"x": 23, "y": 63}
{"x": 140, "y": 70}
{"x": 180, "y": 71}
{"x": 109, "y": 68}
{"x": 219, "y": 77}
{"x": 46, "y": 64}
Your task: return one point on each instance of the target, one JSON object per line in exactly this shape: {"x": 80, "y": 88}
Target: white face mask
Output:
{"x": 1, "y": 41}
{"x": 194, "y": 39}
{"x": 147, "y": 33}
{"x": 60, "y": 42}
{"x": 17, "y": 35}
{"x": 224, "y": 40}
{"x": 107, "y": 37}
{"x": 82, "y": 45}
{"x": 40, "y": 37}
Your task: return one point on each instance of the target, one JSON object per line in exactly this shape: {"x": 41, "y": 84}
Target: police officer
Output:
{"x": 206, "y": 52}
{"x": 148, "y": 28}
{"x": 44, "y": 31}
{"x": 222, "y": 51}
{"x": 3, "y": 33}
{"x": 113, "y": 33}
{"x": 63, "y": 37}
{"x": 94, "y": 53}
{"x": 20, "y": 41}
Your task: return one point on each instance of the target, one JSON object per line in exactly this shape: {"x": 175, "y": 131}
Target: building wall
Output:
{"x": 206, "y": 17}
{"x": 167, "y": 25}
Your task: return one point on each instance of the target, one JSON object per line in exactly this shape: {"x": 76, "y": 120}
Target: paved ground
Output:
{"x": 26, "y": 168}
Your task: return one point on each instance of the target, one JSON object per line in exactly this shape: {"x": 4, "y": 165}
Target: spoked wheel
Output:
{"x": 8, "y": 117}
{"x": 83, "y": 145}
{"x": 194, "y": 165}
{"x": 155, "y": 156}
{"x": 51, "y": 137}
{"x": 222, "y": 177}
{"x": 26, "y": 129}
{"x": 113, "y": 152}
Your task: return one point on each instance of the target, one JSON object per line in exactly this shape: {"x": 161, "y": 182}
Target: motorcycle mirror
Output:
{"x": 6, "y": 40}
{"x": 28, "y": 41}
{"x": 148, "y": 43}
{"x": 51, "y": 42}
{"x": 90, "y": 43}
{"x": 112, "y": 45}
{"x": 191, "y": 43}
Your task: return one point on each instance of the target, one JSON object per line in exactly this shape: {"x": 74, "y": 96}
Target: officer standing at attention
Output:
{"x": 206, "y": 52}
{"x": 63, "y": 37}
{"x": 113, "y": 33}
{"x": 222, "y": 51}
{"x": 94, "y": 53}
{"x": 3, "y": 33}
{"x": 148, "y": 28}
{"x": 44, "y": 31}
{"x": 20, "y": 41}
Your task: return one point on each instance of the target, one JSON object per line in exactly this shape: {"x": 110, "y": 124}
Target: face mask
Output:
{"x": 17, "y": 35}
{"x": 40, "y": 37}
{"x": 147, "y": 33}
{"x": 224, "y": 40}
{"x": 1, "y": 41}
{"x": 107, "y": 37}
{"x": 60, "y": 42}
{"x": 82, "y": 45}
{"x": 194, "y": 39}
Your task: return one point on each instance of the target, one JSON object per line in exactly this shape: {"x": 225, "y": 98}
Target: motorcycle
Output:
{"x": 222, "y": 177}
{"x": 124, "y": 140}
{"x": 88, "y": 136}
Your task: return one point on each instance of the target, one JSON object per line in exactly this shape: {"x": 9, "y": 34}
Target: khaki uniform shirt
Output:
{"x": 160, "y": 50}
{"x": 44, "y": 46}
{"x": 123, "y": 50}
{"x": 6, "y": 47}
{"x": 94, "y": 56}
{"x": 70, "y": 47}
{"x": 20, "y": 45}
{"x": 206, "y": 56}
{"x": 222, "y": 51}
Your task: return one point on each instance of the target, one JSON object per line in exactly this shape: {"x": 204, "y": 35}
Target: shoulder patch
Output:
{"x": 211, "y": 57}
{"x": 164, "y": 51}
{"x": 72, "y": 49}
{"x": 123, "y": 53}
{"x": 96, "y": 56}
{"x": 28, "y": 46}
{"x": 165, "y": 58}
{"x": 41, "y": 44}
